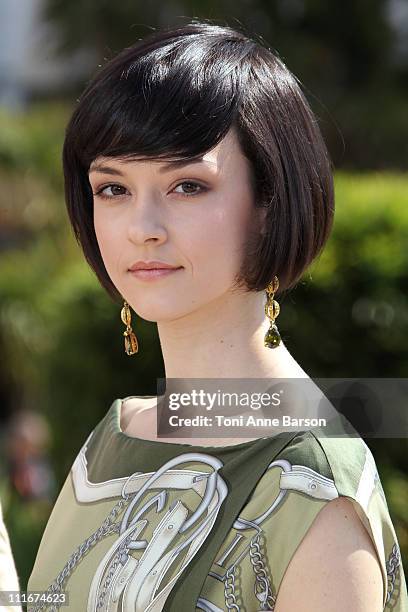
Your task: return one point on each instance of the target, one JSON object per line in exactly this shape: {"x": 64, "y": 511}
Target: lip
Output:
{"x": 153, "y": 273}
{"x": 152, "y": 265}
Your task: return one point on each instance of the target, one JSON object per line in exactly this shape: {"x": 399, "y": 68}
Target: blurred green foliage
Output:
{"x": 62, "y": 335}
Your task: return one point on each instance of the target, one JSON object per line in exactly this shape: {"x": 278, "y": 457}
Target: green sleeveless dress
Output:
{"x": 152, "y": 526}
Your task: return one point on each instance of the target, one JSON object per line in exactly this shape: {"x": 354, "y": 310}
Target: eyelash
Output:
{"x": 191, "y": 195}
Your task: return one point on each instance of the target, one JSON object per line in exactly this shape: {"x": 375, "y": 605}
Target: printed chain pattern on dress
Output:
{"x": 265, "y": 595}
{"x": 392, "y": 566}
{"x": 104, "y": 530}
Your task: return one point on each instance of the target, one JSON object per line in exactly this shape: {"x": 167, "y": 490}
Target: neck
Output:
{"x": 224, "y": 339}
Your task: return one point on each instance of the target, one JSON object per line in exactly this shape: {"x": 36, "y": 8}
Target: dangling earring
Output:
{"x": 272, "y": 337}
{"x": 131, "y": 345}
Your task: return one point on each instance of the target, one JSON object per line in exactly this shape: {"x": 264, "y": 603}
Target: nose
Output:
{"x": 146, "y": 222}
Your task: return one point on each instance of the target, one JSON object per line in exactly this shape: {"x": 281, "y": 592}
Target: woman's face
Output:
{"x": 195, "y": 216}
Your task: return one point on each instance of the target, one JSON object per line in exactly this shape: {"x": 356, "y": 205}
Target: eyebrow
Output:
{"x": 178, "y": 163}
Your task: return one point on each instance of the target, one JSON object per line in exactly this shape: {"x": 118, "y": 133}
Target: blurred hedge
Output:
{"x": 62, "y": 336}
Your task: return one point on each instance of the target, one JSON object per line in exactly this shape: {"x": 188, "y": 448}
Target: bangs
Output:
{"x": 174, "y": 102}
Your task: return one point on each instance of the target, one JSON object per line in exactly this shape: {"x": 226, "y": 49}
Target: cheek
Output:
{"x": 217, "y": 242}
{"x": 230, "y": 227}
{"x": 109, "y": 239}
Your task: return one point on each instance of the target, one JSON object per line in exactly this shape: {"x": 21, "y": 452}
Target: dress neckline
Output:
{"x": 119, "y": 433}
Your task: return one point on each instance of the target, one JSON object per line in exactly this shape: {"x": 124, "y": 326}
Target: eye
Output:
{"x": 99, "y": 192}
{"x": 192, "y": 184}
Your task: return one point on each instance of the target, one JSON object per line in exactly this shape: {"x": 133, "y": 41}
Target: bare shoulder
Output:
{"x": 335, "y": 567}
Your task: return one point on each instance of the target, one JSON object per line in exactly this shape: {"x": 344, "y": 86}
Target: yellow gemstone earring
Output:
{"x": 131, "y": 344}
{"x": 272, "y": 337}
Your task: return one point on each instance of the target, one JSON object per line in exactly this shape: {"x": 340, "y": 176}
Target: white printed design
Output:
{"x": 123, "y": 582}
{"x": 130, "y": 576}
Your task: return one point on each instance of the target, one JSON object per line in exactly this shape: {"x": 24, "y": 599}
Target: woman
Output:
{"x": 195, "y": 150}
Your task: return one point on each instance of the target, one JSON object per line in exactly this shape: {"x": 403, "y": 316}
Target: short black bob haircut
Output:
{"x": 174, "y": 95}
